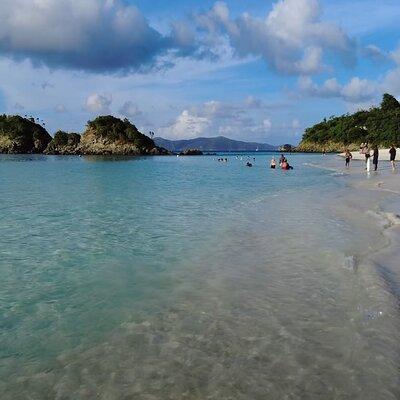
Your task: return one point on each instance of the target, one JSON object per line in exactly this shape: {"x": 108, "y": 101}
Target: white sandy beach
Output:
{"x": 383, "y": 155}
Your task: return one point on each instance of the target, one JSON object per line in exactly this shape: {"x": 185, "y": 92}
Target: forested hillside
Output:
{"x": 378, "y": 125}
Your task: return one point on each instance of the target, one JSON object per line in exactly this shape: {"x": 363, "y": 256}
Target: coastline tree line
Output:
{"x": 378, "y": 126}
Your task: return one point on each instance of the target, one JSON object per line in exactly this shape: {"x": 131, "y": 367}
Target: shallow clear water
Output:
{"x": 185, "y": 278}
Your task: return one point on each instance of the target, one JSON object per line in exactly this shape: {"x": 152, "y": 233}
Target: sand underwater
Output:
{"x": 185, "y": 278}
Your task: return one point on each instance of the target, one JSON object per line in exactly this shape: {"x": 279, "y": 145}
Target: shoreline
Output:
{"x": 384, "y": 211}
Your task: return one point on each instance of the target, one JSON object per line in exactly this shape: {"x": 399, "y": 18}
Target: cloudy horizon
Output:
{"x": 261, "y": 72}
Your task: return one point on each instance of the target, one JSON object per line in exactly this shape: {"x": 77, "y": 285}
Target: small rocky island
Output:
{"x": 105, "y": 135}
{"x": 22, "y": 135}
{"x": 191, "y": 152}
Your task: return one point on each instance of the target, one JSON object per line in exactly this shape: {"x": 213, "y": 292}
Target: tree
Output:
{"x": 389, "y": 103}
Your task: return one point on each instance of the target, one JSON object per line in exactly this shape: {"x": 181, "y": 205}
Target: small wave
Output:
{"x": 330, "y": 169}
{"x": 387, "y": 219}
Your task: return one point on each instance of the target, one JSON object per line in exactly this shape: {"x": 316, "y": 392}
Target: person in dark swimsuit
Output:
{"x": 348, "y": 156}
{"x": 375, "y": 158}
{"x": 392, "y": 152}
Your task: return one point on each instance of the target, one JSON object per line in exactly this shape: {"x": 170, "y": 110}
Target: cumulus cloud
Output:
{"x": 114, "y": 36}
{"x": 292, "y": 38}
{"x": 219, "y": 118}
{"x": 375, "y": 53}
{"x": 91, "y": 35}
{"x": 130, "y": 110}
{"x": 186, "y": 126}
{"x": 98, "y": 103}
{"x": 355, "y": 91}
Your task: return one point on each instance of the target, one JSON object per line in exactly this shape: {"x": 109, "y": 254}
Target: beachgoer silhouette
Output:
{"x": 375, "y": 157}
{"x": 392, "y": 152}
{"x": 348, "y": 156}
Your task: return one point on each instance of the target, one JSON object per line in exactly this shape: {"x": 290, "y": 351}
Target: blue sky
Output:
{"x": 257, "y": 70}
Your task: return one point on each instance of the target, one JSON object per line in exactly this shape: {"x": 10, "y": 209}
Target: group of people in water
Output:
{"x": 283, "y": 162}
{"x": 366, "y": 150}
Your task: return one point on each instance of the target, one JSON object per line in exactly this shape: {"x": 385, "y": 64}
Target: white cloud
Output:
{"x": 267, "y": 124}
{"x": 355, "y": 91}
{"x": 375, "y": 53}
{"x": 359, "y": 90}
{"x": 296, "y": 123}
{"x": 130, "y": 110}
{"x": 99, "y": 103}
{"x": 219, "y": 118}
{"x": 90, "y": 35}
{"x": 292, "y": 38}
{"x": 186, "y": 126}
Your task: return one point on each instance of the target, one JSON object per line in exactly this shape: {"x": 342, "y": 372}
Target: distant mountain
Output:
{"x": 219, "y": 143}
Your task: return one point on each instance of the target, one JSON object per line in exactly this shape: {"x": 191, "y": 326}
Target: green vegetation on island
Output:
{"x": 378, "y": 126}
{"x": 110, "y": 135}
{"x": 64, "y": 143}
{"x": 104, "y": 135}
{"x": 20, "y": 135}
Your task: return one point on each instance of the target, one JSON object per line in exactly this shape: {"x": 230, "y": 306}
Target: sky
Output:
{"x": 258, "y": 70}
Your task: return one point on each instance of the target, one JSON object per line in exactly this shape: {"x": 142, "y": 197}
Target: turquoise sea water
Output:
{"x": 185, "y": 278}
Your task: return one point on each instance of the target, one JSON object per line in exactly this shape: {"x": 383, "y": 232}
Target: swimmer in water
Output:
{"x": 273, "y": 163}
{"x": 285, "y": 165}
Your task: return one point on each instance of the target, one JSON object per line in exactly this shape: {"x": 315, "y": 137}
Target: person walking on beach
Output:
{"x": 375, "y": 158}
{"x": 273, "y": 163}
{"x": 392, "y": 152}
{"x": 348, "y": 157}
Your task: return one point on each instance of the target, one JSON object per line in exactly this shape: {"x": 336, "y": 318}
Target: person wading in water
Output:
{"x": 392, "y": 153}
{"x": 375, "y": 158}
{"x": 348, "y": 156}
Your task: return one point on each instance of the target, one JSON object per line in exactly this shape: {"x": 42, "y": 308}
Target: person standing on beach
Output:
{"x": 348, "y": 156}
{"x": 392, "y": 152}
{"x": 375, "y": 158}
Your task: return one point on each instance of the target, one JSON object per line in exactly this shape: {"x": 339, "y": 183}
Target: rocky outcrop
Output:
{"x": 20, "y": 135}
{"x": 329, "y": 147}
{"x": 286, "y": 148}
{"x": 106, "y": 135}
{"x": 191, "y": 152}
{"x": 64, "y": 143}
{"x": 110, "y": 135}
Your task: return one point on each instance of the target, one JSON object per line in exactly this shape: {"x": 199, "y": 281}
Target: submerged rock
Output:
{"x": 20, "y": 135}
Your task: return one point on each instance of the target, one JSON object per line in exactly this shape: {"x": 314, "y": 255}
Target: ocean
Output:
{"x": 187, "y": 278}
